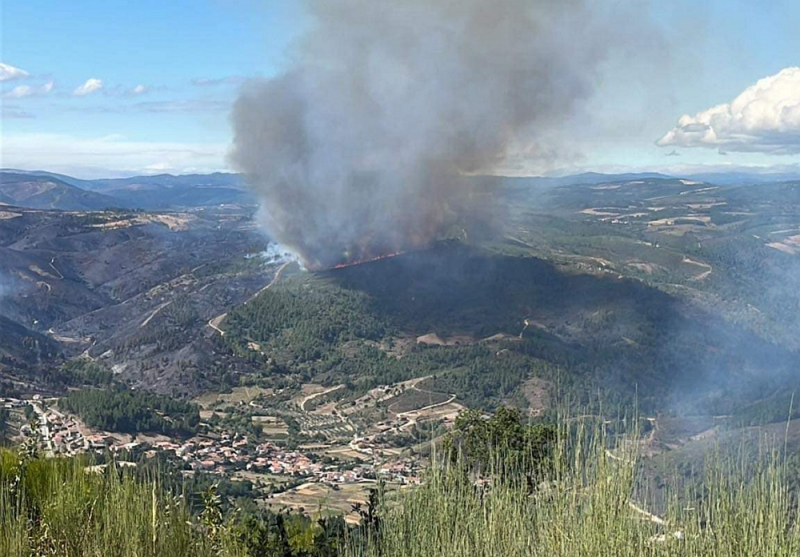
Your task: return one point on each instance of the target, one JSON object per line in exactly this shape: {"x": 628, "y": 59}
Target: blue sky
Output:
{"x": 189, "y": 57}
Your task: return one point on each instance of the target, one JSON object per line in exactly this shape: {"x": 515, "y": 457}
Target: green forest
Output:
{"x": 127, "y": 411}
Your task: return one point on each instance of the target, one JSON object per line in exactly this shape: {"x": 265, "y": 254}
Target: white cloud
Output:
{"x": 139, "y": 90}
{"x": 92, "y": 85}
{"x": 8, "y": 72}
{"x": 765, "y": 118}
{"x": 111, "y": 155}
{"x": 21, "y": 91}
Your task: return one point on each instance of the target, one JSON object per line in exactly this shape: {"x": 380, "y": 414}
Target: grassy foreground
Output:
{"x": 745, "y": 508}
{"x": 55, "y": 507}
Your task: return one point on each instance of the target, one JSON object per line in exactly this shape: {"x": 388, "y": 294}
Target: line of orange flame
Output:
{"x": 362, "y": 261}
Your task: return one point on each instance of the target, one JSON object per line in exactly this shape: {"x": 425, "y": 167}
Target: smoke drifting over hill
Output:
{"x": 370, "y": 141}
{"x": 5, "y": 288}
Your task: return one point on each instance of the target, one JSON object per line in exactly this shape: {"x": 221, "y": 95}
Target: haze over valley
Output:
{"x": 670, "y": 292}
{"x": 382, "y": 278}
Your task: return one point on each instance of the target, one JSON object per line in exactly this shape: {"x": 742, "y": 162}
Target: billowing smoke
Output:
{"x": 276, "y": 253}
{"x": 371, "y": 141}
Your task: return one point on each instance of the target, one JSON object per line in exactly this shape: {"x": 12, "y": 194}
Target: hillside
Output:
{"x": 731, "y": 250}
{"x": 486, "y": 323}
{"x": 28, "y": 360}
{"x": 44, "y": 192}
{"x": 136, "y": 288}
{"x": 644, "y": 285}
{"x": 156, "y": 192}
{"x": 19, "y": 344}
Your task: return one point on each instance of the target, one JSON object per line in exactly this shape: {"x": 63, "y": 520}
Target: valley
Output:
{"x": 658, "y": 292}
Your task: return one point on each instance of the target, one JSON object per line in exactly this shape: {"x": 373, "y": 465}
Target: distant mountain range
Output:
{"x": 744, "y": 178}
{"x": 48, "y": 190}
{"x": 733, "y": 178}
{"x": 587, "y": 178}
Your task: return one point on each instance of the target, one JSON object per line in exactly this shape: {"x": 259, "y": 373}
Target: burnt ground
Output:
{"x": 131, "y": 289}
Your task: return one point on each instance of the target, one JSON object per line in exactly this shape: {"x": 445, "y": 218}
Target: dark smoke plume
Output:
{"x": 370, "y": 141}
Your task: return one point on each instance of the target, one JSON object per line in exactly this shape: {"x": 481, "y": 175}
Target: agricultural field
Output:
{"x": 731, "y": 249}
{"x": 319, "y": 499}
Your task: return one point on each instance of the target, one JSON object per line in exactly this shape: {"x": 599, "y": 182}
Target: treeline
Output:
{"x": 315, "y": 329}
{"x": 126, "y": 411}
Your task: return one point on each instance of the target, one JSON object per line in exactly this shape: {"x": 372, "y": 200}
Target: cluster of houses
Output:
{"x": 230, "y": 453}
{"x": 406, "y": 471}
{"x": 221, "y": 454}
{"x": 58, "y": 433}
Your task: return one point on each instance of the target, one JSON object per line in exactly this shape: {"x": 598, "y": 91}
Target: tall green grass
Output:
{"x": 743, "y": 509}
{"x": 56, "y": 507}
{"x": 584, "y": 508}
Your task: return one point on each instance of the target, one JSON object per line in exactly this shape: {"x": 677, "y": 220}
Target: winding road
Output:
{"x": 215, "y": 322}
{"x": 312, "y": 396}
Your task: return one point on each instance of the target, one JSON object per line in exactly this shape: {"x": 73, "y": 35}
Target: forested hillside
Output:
{"x": 482, "y": 323}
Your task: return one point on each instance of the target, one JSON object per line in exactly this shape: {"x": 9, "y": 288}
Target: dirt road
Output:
{"x": 708, "y": 268}
{"x": 215, "y": 322}
{"x": 303, "y": 402}
{"x": 155, "y": 312}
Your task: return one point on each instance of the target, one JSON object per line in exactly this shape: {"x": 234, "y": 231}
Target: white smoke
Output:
{"x": 5, "y": 289}
{"x": 276, "y": 253}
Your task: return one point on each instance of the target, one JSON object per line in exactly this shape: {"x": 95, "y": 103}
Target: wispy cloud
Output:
{"x": 92, "y": 85}
{"x": 212, "y": 81}
{"x": 109, "y": 155}
{"x": 182, "y": 106}
{"x": 119, "y": 90}
{"x": 22, "y": 91}
{"x": 673, "y": 153}
{"x": 9, "y": 72}
{"x": 14, "y": 112}
{"x": 157, "y": 107}
{"x": 765, "y": 118}
{"x": 139, "y": 90}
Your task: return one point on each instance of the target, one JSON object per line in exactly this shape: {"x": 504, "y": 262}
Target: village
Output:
{"x": 219, "y": 453}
